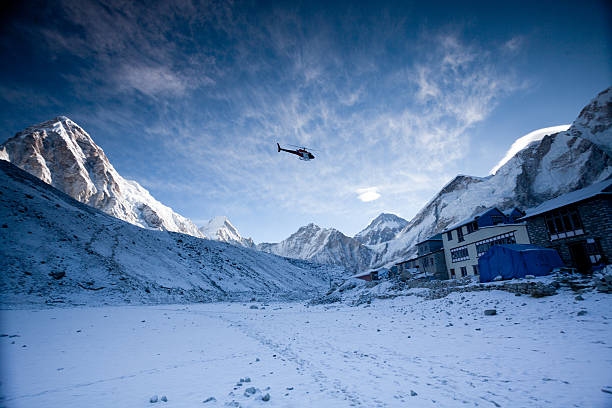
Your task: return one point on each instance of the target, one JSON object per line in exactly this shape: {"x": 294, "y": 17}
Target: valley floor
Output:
{"x": 399, "y": 352}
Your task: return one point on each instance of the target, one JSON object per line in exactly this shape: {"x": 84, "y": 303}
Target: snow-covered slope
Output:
{"x": 382, "y": 229}
{"x": 221, "y": 229}
{"x": 56, "y": 249}
{"x": 322, "y": 245}
{"x": 62, "y": 154}
{"x": 557, "y": 164}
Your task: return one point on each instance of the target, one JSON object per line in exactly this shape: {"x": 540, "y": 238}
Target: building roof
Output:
{"x": 601, "y": 188}
{"x": 362, "y": 274}
{"x": 437, "y": 237}
{"x": 408, "y": 260}
{"x": 470, "y": 219}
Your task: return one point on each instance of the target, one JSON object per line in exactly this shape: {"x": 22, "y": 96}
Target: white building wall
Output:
{"x": 470, "y": 240}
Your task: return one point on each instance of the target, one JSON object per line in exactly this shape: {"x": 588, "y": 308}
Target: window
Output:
{"x": 449, "y": 235}
{"x": 472, "y": 226}
{"x": 460, "y": 234}
{"x": 459, "y": 254}
{"x": 484, "y": 245}
{"x": 463, "y": 271}
{"x": 563, "y": 223}
{"x": 452, "y": 273}
{"x": 475, "y": 268}
{"x": 593, "y": 250}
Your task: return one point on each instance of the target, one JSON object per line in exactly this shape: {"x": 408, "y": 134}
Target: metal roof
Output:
{"x": 601, "y": 188}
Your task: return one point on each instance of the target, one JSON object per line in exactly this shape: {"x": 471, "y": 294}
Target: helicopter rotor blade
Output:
{"x": 303, "y": 147}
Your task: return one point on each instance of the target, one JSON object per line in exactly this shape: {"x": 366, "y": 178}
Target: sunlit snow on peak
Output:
{"x": 524, "y": 141}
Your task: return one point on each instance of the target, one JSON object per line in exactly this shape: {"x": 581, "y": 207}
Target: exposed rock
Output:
{"x": 153, "y": 399}
{"x": 490, "y": 312}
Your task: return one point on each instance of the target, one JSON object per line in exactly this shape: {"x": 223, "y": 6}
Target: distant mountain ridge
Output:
{"x": 322, "y": 245}
{"x": 62, "y": 154}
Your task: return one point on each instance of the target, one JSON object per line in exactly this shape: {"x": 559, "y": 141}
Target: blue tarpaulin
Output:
{"x": 516, "y": 261}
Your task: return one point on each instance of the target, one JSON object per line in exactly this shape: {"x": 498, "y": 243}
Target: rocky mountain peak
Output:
{"x": 62, "y": 154}
{"x": 381, "y": 229}
{"x": 221, "y": 229}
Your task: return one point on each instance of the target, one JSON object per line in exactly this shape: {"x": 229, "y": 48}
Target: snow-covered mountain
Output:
{"x": 62, "y": 154}
{"x": 55, "y": 249}
{"x": 221, "y": 229}
{"x": 546, "y": 168}
{"x": 322, "y": 245}
{"x": 382, "y": 229}
{"x": 556, "y": 164}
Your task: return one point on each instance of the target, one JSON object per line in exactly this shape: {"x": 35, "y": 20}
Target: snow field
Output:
{"x": 533, "y": 353}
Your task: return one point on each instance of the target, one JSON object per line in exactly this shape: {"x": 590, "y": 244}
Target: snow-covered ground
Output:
{"x": 399, "y": 352}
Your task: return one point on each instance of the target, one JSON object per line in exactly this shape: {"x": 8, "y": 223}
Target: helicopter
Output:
{"x": 301, "y": 152}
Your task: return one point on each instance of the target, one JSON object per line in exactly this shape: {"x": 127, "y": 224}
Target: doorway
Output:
{"x": 579, "y": 256}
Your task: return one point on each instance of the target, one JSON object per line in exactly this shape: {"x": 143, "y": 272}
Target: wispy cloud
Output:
{"x": 206, "y": 91}
{"x": 151, "y": 80}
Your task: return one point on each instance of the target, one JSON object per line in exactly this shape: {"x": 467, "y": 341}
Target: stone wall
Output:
{"x": 596, "y": 217}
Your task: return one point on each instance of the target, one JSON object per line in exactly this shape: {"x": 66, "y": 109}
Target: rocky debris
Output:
{"x": 603, "y": 280}
{"x": 356, "y": 293}
{"x": 266, "y": 397}
{"x": 245, "y": 380}
{"x": 542, "y": 290}
{"x": 164, "y": 398}
{"x": 413, "y": 393}
{"x": 254, "y": 307}
{"x": 153, "y": 399}
{"x": 209, "y": 399}
{"x": 250, "y": 391}
{"x": 57, "y": 275}
{"x": 582, "y": 313}
{"x": 579, "y": 297}
{"x": 607, "y": 389}
{"x": 490, "y": 312}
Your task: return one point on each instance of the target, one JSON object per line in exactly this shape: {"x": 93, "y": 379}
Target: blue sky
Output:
{"x": 189, "y": 98}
